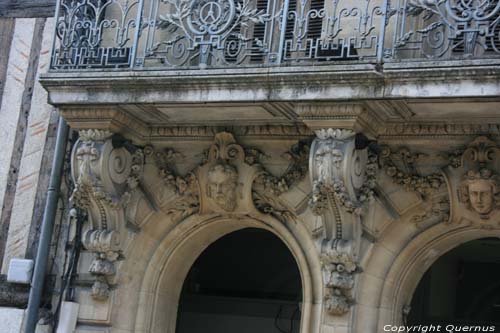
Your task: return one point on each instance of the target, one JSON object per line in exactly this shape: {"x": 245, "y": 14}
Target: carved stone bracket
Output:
{"x": 107, "y": 186}
{"x": 343, "y": 178}
{"x": 230, "y": 180}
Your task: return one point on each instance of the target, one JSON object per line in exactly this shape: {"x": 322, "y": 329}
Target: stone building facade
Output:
{"x": 364, "y": 135}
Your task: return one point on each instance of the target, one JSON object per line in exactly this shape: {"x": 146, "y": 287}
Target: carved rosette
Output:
{"x": 107, "y": 181}
{"x": 343, "y": 178}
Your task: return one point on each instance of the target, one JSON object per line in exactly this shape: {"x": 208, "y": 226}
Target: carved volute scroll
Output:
{"x": 474, "y": 183}
{"x": 342, "y": 178}
{"x": 107, "y": 186}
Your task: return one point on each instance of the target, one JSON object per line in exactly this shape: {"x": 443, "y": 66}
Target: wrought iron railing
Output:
{"x": 235, "y": 33}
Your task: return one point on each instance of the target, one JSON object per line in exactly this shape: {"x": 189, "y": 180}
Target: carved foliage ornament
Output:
{"x": 338, "y": 268}
{"x": 342, "y": 177}
{"x": 471, "y": 176}
{"x": 400, "y": 166}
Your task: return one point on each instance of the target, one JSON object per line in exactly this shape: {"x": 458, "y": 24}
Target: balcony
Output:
{"x": 205, "y": 34}
{"x": 154, "y": 68}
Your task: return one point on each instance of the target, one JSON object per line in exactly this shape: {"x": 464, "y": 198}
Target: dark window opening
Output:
{"x": 461, "y": 288}
{"x": 246, "y": 282}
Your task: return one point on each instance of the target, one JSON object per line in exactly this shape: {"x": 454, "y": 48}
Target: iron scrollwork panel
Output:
{"x": 333, "y": 30}
{"x": 234, "y": 33}
{"x": 209, "y": 33}
{"x": 94, "y": 33}
{"x": 446, "y": 29}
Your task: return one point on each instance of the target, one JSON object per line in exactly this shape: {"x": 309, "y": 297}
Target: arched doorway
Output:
{"x": 246, "y": 281}
{"x": 462, "y": 288}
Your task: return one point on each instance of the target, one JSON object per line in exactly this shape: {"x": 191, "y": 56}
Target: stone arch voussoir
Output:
{"x": 176, "y": 252}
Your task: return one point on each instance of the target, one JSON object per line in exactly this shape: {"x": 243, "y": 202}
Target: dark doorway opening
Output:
{"x": 462, "y": 288}
{"x": 245, "y": 282}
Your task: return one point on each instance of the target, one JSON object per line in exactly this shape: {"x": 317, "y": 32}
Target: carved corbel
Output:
{"x": 107, "y": 182}
{"x": 342, "y": 178}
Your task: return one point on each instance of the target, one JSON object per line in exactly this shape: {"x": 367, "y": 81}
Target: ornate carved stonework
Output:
{"x": 471, "y": 176}
{"x": 401, "y": 165}
{"x": 185, "y": 188}
{"x": 480, "y": 192}
{"x": 108, "y": 186}
{"x": 343, "y": 178}
{"x": 338, "y": 269}
{"x": 231, "y": 180}
{"x": 410, "y": 179}
{"x": 474, "y": 182}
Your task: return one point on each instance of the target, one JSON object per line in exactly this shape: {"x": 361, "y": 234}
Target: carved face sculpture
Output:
{"x": 481, "y": 196}
{"x": 222, "y": 185}
{"x": 479, "y": 191}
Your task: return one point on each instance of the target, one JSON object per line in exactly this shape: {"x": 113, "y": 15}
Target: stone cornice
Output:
{"x": 430, "y": 79}
{"x": 375, "y": 121}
